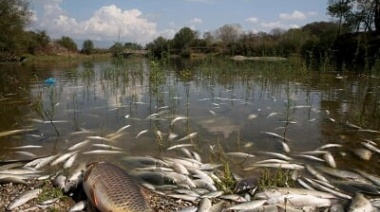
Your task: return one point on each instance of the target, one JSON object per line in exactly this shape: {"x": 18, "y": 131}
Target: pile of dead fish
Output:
{"x": 321, "y": 185}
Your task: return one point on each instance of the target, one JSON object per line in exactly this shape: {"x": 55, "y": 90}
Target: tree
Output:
{"x": 159, "y": 47}
{"x": 183, "y": 39}
{"x": 134, "y": 46}
{"x": 88, "y": 47}
{"x": 117, "y": 49}
{"x": 229, "y": 33}
{"x": 14, "y": 15}
{"x": 356, "y": 15}
{"x": 68, "y": 43}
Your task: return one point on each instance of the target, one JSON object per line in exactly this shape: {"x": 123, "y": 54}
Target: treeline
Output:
{"x": 318, "y": 43}
{"x": 351, "y": 42}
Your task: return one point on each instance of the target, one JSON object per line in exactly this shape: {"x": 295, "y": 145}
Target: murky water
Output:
{"x": 228, "y": 104}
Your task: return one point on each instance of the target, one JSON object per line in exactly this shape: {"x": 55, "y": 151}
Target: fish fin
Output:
{"x": 93, "y": 197}
{"x": 88, "y": 170}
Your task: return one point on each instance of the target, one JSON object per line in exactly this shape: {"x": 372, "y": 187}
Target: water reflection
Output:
{"x": 228, "y": 104}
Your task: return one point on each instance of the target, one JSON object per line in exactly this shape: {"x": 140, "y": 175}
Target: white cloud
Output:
{"x": 196, "y": 21}
{"x": 252, "y": 20}
{"x": 295, "y": 15}
{"x": 109, "y": 23}
{"x": 277, "y": 24}
{"x": 272, "y": 25}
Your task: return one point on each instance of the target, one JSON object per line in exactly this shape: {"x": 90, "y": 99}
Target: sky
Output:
{"x": 141, "y": 21}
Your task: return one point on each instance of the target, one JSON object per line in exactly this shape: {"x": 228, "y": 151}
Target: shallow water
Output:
{"x": 228, "y": 104}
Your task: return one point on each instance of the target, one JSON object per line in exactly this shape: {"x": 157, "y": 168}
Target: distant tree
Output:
{"x": 88, "y": 47}
{"x": 159, "y": 47}
{"x": 14, "y": 16}
{"x": 68, "y": 43}
{"x": 35, "y": 42}
{"x": 117, "y": 49}
{"x": 183, "y": 38}
{"x": 229, "y": 33}
{"x": 134, "y": 46}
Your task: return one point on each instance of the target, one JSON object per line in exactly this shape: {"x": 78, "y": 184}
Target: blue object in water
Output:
{"x": 50, "y": 81}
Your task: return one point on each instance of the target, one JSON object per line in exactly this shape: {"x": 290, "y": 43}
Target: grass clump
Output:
{"x": 278, "y": 178}
{"x": 227, "y": 182}
{"x": 49, "y": 193}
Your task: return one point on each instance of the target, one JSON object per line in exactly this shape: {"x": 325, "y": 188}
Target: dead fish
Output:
{"x": 277, "y": 136}
{"x": 24, "y": 198}
{"x": 70, "y": 161}
{"x": 344, "y": 174}
{"x": 311, "y": 157}
{"x": 28, "y": 147}
{"x": 204, "y": 205}
{"x": 276, "y": 165}
{"x": 79, "y": 206}
{"x": 275, "y": 154}
{"x": 212, "y": 194}
{"x": 242, "y": 155}
{"x": 140, "y": 133}
{"x": 12, "y": 132}
{"x": 360, "y": 204}
{"x": 60, "y": 181}
{"x": 172, "y": 136}
{"x": 25, "y": 153}
{"x": 99, "y": 138}
{"x": 247, "y": 205}
{"x": 187, "y": 137}
{"x": 316, "y": 173}
{"x": 107, "y": 146}
{"x": 329, "y": 159}
{"x": 122, "y": 128}
{"x": 178, "y": 118}
{"x": 363, "y": 153}
{"x": 40, "y": 162}
{"x": 101, "y": 151}
{"x": 62, "y": 158}
{"x": 272, "y": 114}
{"x": 374, "y": 179}
{"x": 233, "y": 197}
{"x": 189, "y": 209}
{"x": 180, "y": 146}
{"x": 251, "y": 116}
{"x": 110, "y": 188}
{"x": 370, "y": 147}
{"x": 327, "y": 146}
{"x": 327, "y": 189}
{"x": 183, "y": 197}
{"x": 79, "y": 145}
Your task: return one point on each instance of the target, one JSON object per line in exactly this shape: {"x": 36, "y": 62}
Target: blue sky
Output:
{"x": 141, "y": 21}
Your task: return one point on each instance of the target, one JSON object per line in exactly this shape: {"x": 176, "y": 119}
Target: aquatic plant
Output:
{"x": 279, "y": 178}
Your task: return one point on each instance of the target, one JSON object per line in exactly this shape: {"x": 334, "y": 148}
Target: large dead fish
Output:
{"x": 110, "y": 188}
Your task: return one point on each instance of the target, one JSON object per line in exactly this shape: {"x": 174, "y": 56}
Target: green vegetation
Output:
{"x": 351, "y": 42}
{"x": 49, "y": 192}
{"x": 280, "y": 178}
{"x": 88, "y": 47}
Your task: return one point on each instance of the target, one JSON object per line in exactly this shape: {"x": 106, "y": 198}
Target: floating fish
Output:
{"x": 178, "y": 118}
{"x": 187, "y": 137}
{"x": 12, "y": 132}
{"x": 102, "y": 151}
{"x": 140, "y": 133}
{"x": 99, "y": 138}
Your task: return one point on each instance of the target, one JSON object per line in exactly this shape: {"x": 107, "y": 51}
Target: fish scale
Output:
{"x": 110, "y": 188}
